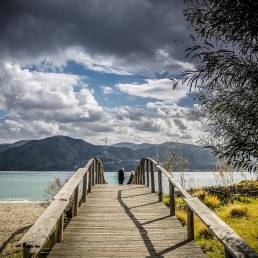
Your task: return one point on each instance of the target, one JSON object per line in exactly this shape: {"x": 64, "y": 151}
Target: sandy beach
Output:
{"x": 15, "y": 219}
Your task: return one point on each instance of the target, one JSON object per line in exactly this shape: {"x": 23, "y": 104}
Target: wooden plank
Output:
{"x": 40, "y": 231}
{"x": 52, "y": 218}
{"x": 124, "y": 221}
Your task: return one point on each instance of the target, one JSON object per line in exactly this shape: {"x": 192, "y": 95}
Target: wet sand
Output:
{"x": 15, "y": 219}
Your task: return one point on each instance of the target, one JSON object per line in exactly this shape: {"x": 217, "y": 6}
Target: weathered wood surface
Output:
{"x": 52, "y": 218}
{"x": 233, "y": 243}
{"x": 124, "y": 221}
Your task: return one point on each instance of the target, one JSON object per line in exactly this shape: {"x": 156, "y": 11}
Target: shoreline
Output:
{"x": 21, "y": 202}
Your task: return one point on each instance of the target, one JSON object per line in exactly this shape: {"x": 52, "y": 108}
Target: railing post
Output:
{"x": 90, "y": 180}
{"x": 160, "y": 185}
{"x": 60, "y": 229}
{"x": 172, "y": 200}
{"x": 137, "y": 176}
{"x": 143, "y": 172}
{"x": 140, "y": 173}
{"x": 148, "y": 172}
{"x": 190, "y": 224}
{"x": 100, "y": 173}
{"x": 227, "y": 253}
{"x": 75, "y": 201}
{"x": 26, "y": 252}
{"x": 96, "y": 171}
{"x": 93, "y": 173}
{"x": 152, "y": 178}
{"x": 84, "y": 186}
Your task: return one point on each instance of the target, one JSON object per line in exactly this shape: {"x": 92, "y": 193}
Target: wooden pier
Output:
{"x": 124, "y": 220}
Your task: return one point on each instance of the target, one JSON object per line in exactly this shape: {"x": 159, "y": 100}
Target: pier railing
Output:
{"x": 52, "y": 219}
{"x": 234, "y": 245}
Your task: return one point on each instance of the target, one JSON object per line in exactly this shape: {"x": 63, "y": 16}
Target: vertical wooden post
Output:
{"x": 160, "y": 185}
{"x": 99, "y": 173}
{"x": 148, "y": 172}
{"x": 143, "y": 172}
{"x": 172, "y": 200}
{"x": 190, "y": 224}
{"x": 26, "y": 252}
{"x": 93, "y": 172}
{"x": 140, "y": 173}
{"x": 96, "y": 171}
{"x": 60, "y": 229}
{"x": 227, "y": 253}
{"x": 90, "y": 180}
{"x": 137, "y": 176}
{"x": 75, "y": 201}
{"x": 84, "y": 187}
{"x": 152, "y": 178}
{"x": 102, "y": 175}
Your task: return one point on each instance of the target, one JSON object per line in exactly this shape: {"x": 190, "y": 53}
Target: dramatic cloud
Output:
{"x": 161, "y": 89}
{"x": 116, "y": 43}
{"x": 118, "y": 36}
{"x": 41, "y": 102}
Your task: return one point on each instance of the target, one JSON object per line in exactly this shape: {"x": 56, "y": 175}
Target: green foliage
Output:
{"x": 225, "y": 35}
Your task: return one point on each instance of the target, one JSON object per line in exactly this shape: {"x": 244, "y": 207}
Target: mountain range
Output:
{"x": 63, "y": 153}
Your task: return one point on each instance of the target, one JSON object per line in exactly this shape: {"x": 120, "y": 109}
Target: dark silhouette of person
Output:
{"x": 121, "y": 176}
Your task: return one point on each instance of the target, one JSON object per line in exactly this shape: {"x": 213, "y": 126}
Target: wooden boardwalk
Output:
{"x": 124, "y": 221}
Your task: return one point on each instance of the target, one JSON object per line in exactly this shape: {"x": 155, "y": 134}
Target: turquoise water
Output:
{"x": 23, "y": 186}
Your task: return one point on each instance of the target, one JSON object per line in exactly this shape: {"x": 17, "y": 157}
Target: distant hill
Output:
{"x": 66, "y": 153}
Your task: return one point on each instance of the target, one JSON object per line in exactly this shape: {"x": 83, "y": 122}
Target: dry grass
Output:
{"x": 200, "y": 193}
{"x": 212, "y": 201}
{"x": 237, "y": 210}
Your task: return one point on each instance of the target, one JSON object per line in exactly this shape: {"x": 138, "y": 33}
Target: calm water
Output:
{"x": 22, "y": 186}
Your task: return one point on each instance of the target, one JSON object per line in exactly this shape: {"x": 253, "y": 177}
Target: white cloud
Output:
{"x": 42, "y": 104}
{"x": 160, "y": 89}
{"x": 107, "y": 90}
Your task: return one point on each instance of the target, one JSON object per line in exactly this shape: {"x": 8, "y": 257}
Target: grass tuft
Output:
{"x": 212, "y": 201}
{"x": 181, "y": 216}
{"x": 237, "y": 211}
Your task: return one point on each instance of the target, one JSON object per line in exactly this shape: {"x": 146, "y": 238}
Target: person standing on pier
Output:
{"x": 121, "y": 176}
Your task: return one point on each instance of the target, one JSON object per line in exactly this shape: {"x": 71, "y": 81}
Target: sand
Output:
{"x": 15, "y": 219}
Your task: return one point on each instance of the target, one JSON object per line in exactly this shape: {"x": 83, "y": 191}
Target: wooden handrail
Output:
{"x": 52, "y": 219}
{"x": 234, "y": 245}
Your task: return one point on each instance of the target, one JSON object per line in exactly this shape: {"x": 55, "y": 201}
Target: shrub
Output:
{"x": 203, "y": 232}
{"x": 238, "y": 211}
{"x": 166, "y": 200}
{"x": 180, "y": 203}
{"x": 212, "y": 201}
{"x": 200, "y": 194}
{"x": 181, "y": 216}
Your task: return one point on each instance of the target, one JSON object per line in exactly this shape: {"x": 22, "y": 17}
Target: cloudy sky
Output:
{"x": 93, "y": 69}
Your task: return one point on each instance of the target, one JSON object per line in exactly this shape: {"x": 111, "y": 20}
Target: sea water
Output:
{"x": 29, "y": 186}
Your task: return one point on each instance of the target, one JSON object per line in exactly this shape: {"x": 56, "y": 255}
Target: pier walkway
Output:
{"x": 124, "y": 221}
{"x": 89, "y": 218}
